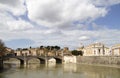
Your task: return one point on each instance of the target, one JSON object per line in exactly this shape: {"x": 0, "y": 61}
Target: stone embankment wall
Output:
{"x": 106, "y": 60}
{"x": 69, "y": 59}
{"x": 1, "y": 64}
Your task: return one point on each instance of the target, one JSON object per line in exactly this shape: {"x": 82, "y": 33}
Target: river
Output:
{"x": 59, "y": 71}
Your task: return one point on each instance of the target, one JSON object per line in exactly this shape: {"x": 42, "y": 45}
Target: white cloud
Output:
{"x": 58, "y": 15}
{"x": 52, "y": 13}
{"x": 84, "y": 38}
{"x": 19, "y": 25}
{"x": 10, "y": 24}
{"x": 105, "y": 2}
{"x": 16, "y": 7}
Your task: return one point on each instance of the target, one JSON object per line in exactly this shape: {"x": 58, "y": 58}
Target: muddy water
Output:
{"x": 58, "y": 71}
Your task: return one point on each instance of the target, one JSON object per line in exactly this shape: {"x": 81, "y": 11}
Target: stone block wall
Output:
{"x": 69, "y": 59}
{"x": 1, "y": 63}
{"x": 107, "y": 60}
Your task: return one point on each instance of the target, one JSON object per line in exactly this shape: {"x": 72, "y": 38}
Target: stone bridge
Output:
{"x": 42, "y": 59}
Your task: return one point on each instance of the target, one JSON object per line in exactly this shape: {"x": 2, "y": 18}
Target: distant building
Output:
{"x": 9, "y": 51}
{"x": 33, "y": 51}
{"x": 66, "y": 52}
{"x": 115, "y": 50}
{"x": 26, "y": 52}
{"x": 96, "y": 49}
{"x": 42, "y": 52}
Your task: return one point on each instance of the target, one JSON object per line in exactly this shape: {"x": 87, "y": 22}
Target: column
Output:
{"x": 119, "y": 51}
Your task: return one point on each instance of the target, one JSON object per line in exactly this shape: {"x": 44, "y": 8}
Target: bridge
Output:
{"x": 42, "y": 59}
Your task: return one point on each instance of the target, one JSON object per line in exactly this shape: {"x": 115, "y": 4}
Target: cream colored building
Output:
{"x": 22, "y": 52}
{"x": 115, "y": 50}
{"x": 26, "y": 52}
{"x": 33, "y": 51}
{"x": 42, "y": 52}
{"x": 96, "y": 49}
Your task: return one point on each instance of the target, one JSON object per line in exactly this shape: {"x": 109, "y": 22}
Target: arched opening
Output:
{"x": 36, "y": 60}
{"x": 42, "y": 61}
{"x": 58, "y": 60}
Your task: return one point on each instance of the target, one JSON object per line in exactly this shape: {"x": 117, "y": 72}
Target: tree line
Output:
{"x": 3, "y": 49}
{"x": 42, "y": 47}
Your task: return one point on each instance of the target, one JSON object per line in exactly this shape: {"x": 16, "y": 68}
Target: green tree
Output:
{"x": 2, "y": 48}
{"x": 57, "y": 47}
{"x": 76, "y": 53}
{"x": 48, "y": 47}
{"x": 41, "y": 47}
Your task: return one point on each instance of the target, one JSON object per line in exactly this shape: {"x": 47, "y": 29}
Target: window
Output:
{"x": 99, "y": 51}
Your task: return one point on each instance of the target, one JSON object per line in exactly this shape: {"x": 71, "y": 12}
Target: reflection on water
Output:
{"x": 58, "y": 71}
{"x": 70, "y": 68}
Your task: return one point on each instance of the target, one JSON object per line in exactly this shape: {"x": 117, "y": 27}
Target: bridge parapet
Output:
{"x": 43, "y": 59}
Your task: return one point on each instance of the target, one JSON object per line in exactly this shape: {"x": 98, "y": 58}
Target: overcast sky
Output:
{"x": 70, "y": 23}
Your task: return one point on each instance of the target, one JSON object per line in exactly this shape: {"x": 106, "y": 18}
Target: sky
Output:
{"x": 66, "y": 23}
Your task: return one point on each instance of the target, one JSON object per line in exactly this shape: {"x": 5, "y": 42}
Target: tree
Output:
{"x": 76, "y": 53}
{"x": 57, "y": 47}
{"x": 48, "y": 47}
{"x": 41, "y": 47}
{"x": 2, "y": 48}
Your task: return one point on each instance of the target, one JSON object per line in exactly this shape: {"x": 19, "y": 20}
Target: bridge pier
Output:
{"x": 23, "y": 62}
{"x": 42, "y": 61}
{"x": 59, "y": 61}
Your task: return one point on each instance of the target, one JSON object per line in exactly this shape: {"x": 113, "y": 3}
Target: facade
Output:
{"x": 26, "y": 52}
{"x": 115, "y": 50}
{"x": 41, "y": 52}
{"x": 96, "y": 49}
{"x": 9, "y": 51}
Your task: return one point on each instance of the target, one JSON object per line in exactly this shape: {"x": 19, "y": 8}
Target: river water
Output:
{"x": 58, "y": 71}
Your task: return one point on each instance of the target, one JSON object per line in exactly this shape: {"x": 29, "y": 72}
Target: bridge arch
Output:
{"x": 13, "y": 59}
{"x": 40, "y": 60}
{"x": 33, "y": 60}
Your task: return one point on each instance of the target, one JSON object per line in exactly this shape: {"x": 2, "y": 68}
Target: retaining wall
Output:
{"x": 1, "y": 63}
{"x": 107, "y": 60}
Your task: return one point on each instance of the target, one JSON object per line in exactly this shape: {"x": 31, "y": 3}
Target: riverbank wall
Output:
{"x": 105, "y": 60}
{"x": 1, "y": 63}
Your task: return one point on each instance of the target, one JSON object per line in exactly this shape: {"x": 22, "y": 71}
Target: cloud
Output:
{"x": 105, "y": 2}
{"x": 55, "y": 13}
{"x": 59, "y": 22}
{"x": 11, "y": 24}
{"x": 19, "y": 25}
{"x": 16, "y": 7}
{"x": 84, "y": 38}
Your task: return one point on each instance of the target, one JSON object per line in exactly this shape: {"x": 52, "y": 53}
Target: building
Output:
{"x": 115, "y": 50}
{"x": 22, "y": 52}
{"x": 41, "y": 52}
{"x": 96, "y": 49}
{"x": 26, "y": 52}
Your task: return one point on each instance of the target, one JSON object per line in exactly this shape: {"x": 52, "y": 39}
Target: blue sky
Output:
{"x": 59, "y": 22}
{"x": 112, "y": 19}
